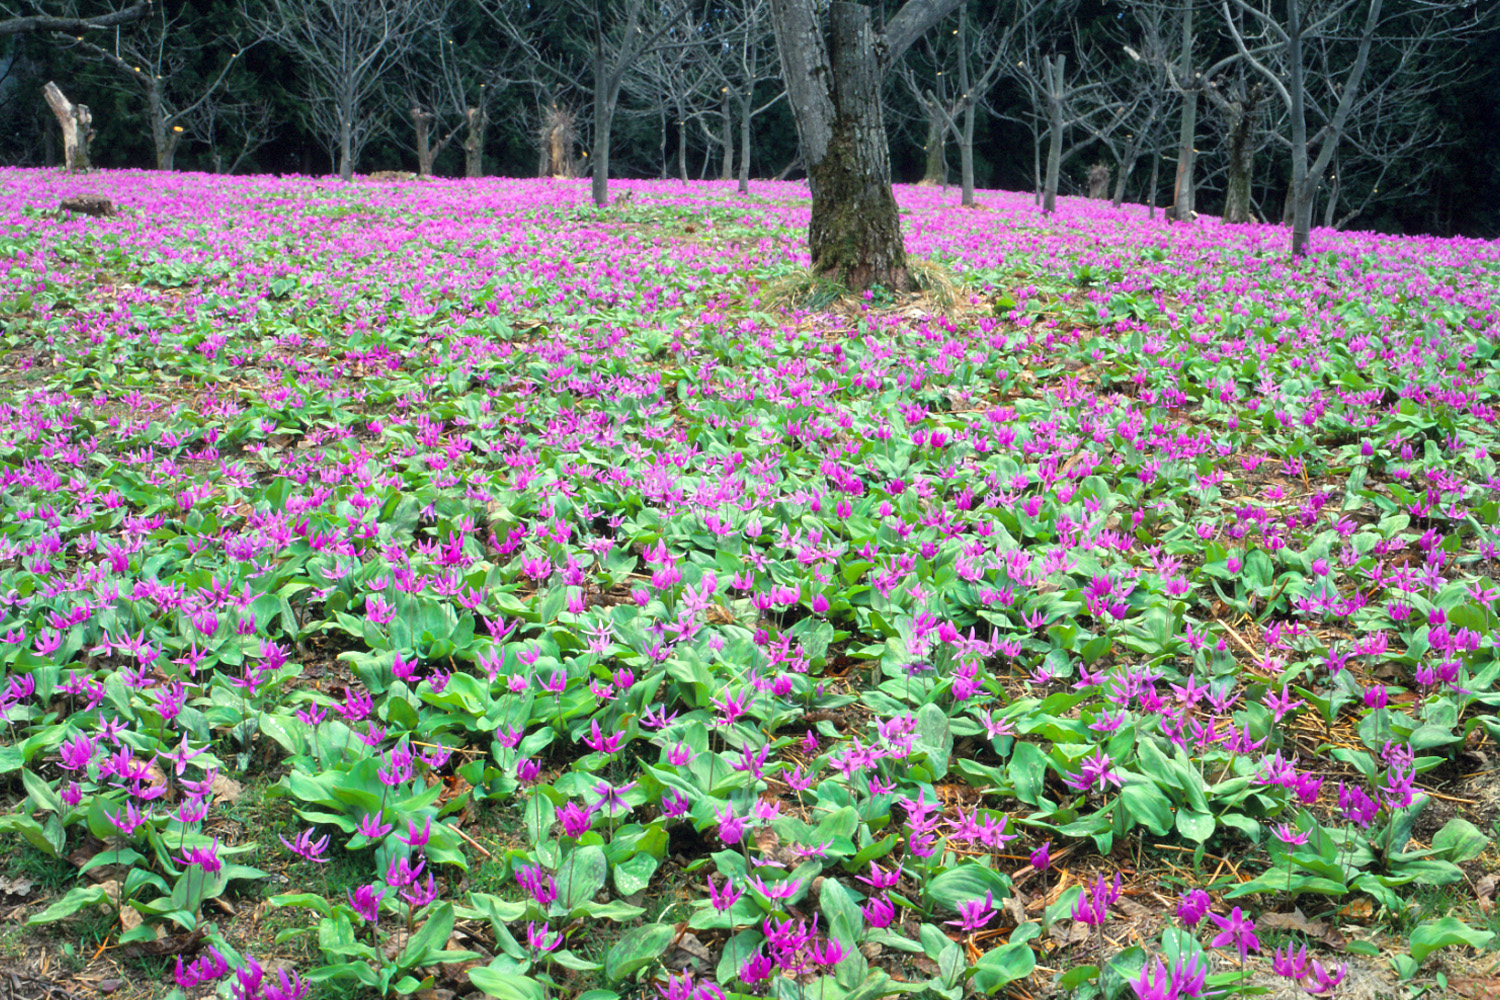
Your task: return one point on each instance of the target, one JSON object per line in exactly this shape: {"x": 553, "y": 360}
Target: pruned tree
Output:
{"x": 1315, "y": 56}
{"x": 834, "y": 61}
{"x": 448, "y": 87}
{"x": 150, "y": 58}
{"x": 76, "y": 122}
{"x": 348, "y": 47}
{"x": 1082, "y": 102}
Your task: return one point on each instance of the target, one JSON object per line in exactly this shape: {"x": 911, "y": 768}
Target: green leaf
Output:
{"x": 1459, "y": 841}
{"x": 1147, "y": 805}
{"x": 75, "y": 900}
{"x": 634, "y": 874}
{"x": 636, "y": 950}
{"x": 1195, "y": 826}
{"x": 507, "y": 985}
{"x": 968, "y": 881}
{"x": 432, "y": 938}
{"x": 581, "y": 877}
{"x": 1434, "y": 934}
{"x": 1000, "y": 966}
{"x": 936, "y": 737}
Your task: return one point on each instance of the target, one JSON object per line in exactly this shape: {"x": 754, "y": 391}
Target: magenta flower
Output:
{"x": 304, "y": 846}
{"x": 1192, "y": 907}
{"x": 365, "y": 902}
{"x": 974, "y": 913}
{"x": 1237, "y": 930}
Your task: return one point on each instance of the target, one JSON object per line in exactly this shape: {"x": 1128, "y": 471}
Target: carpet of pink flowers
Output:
{"x": 1125, "y": 628}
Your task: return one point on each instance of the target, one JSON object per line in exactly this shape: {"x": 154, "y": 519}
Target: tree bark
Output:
{"x": 726, "y": 171}
{"x": 833, "y": 83}
{"x": 1155, "y": 180}
{"x": 1098, "y": 182}
{"x": 474, "y": 142}
{"x": 76, "y": 122}
{"x": 1052, "y": 74}
{"x": 1241, "y": 157}
{"x": 1183, "y": 190}
{"x": 423, "y": 122}
{"x": 682, "y": 168}
{"x": 744, "y": 187}
{"x": 346, "y": 148}
{"x": 599, "y": 178}
{"x": 934, "y": 173}
{"x": 966, "y": 137}
{"x": 855, "y": 231}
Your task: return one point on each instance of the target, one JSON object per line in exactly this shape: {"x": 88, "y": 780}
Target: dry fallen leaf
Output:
{"x": 18, "y": 886}
{"x": 225, "y": 790}
{"x": 1484, "y": 893}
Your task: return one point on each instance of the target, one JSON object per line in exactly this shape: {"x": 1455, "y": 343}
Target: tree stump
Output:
{"x": 89, "y": 205}
{"x": 76, "y": 121}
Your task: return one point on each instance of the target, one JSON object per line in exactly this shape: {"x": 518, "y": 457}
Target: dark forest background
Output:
{"x": 262, "y": 102}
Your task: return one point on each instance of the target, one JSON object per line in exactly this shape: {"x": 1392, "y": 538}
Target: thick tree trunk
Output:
{"x": 1241, "y": 157}
{"x": 474, "y": 142}
{"x": 423, "y": 122}
{"x": 833, "y": 82}
{"x": 163, "y": 140}
{"x": 1183, "y": 190}
{"x": 744, "y": 187}
{"x": 855, "y": 232}
{"x": 76, "y": 123}
{"x": 726, "y": 171}
{"x": 1053, "y": 76}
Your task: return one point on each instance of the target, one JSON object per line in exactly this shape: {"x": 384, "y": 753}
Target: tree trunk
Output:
{"x": 346, "y": 148}
{"x": 1127, "y": 167}
{"x": 76, "y": 122}
{"x": 1155, "y": 180}
{"x": 1052, "y": 74}
{"x": 966, "y": 158}
{"x": 726, "y": 172}
{"x": 744, "y": 187}
{"x": 423, "y": 122}
{"x": 1241, "y": 156}
{"x": 934, "y": 174}
{"x": 162, "y": 140}
{"x": 1036, "y": 166}
{"x": 966, "y": 136}
{"x": 1182, "y": 191}
{"x": 682, "y": 170}
{"x": 1333, "y": 198}
{"x": 599, "y": 179}
{"x": 474, "y": 142}
{"x": 834, "y": 87}
{"x": 1098, "y": 182}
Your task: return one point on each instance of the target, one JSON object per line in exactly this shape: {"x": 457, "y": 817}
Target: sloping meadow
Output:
{"x": 609, "y": 621}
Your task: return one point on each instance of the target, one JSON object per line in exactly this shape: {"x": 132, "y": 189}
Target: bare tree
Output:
{"x": 1083, "y": 102}
{"x": 150, "y": 59}
{"x": 746, "y": 58}
{"x": 232, "y": 129}
{"x": 833, "y": 64}
{"x": 1316, "y": 56}
{"x": 979, "y": 58}
{"x": 615, "y": 34}
{"x": 348, "y": 47}
{"x": 671, "y": 83}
